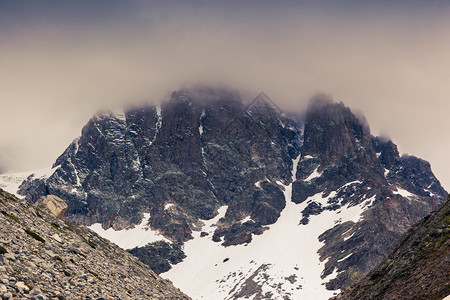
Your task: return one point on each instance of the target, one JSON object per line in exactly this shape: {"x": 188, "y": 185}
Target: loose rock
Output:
{"x": 67, "y": 266}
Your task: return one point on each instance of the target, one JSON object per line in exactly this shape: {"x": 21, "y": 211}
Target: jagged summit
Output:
{"x": 206, "y": 172}
{"x": 190, "y": 144}
{"x": 335, "y": 133}
{"x": 344, "y": 164}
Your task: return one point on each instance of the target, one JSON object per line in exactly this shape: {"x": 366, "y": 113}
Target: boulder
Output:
{"x": 52, "y": 203}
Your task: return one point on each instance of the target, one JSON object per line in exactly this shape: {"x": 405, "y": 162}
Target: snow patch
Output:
{"x": 158, "y": 123}
{"x": 348, "y": 237}
{"x": 333, "y": 275}
{"x": 258, "y": 183}
{"x": 346, "y": 213}
{"x": 246, "y": 219}
{"x": 210, "y": 225}
{"x": 431, "y": 193}
{"x": 294, "y": 170}
{"x": 200, "y": 127}
{"x": 368, "y": 203}
{"x": 130, "y": 238}
{"x": 313, "y": 175}
{"x": 350, "y": 183}
{"x": 344, "y": 258}
{"x": 168, "y": 205}
{"x": 403, "y": 192}
{"x": 77, "y": 177}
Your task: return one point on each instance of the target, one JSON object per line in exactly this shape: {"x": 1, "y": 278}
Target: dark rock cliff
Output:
{"x": 201, "y": 151}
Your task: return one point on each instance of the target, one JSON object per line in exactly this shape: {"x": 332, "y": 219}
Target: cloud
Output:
{"x": 384, "y": 137}
{"x": 319, "y": 100}
{"x": 59, "y": 69}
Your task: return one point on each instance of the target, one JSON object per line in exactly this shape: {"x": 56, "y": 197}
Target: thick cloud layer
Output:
{"x": 61, "y": 63}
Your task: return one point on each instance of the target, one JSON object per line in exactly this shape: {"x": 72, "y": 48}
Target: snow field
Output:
{"x": 138, "y": 236}
{"x": 282, "y": 261}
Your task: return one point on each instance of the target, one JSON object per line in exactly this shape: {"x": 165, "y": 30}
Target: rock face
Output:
{"x": 42, "y": 257}
{"x": 197, "y": 155}
{"x": 54, "y": 204}
{"x": 159, "y": 255}
{"x": 204, "y": 150}
{"x": 418, "y": 268}
{"x": 344, "y": 164}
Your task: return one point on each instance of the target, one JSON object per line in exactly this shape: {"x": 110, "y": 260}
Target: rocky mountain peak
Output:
{"x": 197, "y": 152}
{"x": 387, "y": 150}
{"x": 205, "y": 168}
{"x": 341, "y": 165}
{"x": 178, "y": 139}
{"x": 334, "y": 133}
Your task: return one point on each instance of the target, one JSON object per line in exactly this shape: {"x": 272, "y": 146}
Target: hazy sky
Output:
{"x": 61, "y": 61}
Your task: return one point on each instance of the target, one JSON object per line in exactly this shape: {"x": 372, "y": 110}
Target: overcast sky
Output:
{"x": 61, "y": 61}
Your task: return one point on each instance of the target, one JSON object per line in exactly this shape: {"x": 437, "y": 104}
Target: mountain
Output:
{"x": 245, "y": 199}
{"x": 43, "y": 257}
{"x": 418, "y": 268}
{"x": 342, "y": 165}
{"x": 196, "y": 157}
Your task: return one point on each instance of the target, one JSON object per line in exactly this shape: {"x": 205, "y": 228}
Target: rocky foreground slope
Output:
{"x": 42, "y": 257}
{"x": 418, "y": 268}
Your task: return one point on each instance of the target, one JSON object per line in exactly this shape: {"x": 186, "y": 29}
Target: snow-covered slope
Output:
{"x": 282, "y": 263}
{"x": 129, "y": 238}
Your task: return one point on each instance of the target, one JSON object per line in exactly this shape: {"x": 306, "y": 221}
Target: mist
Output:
{"x": 60, "y": 66}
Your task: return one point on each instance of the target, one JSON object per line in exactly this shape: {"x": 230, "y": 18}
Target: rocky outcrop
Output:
{"x": 418, "y": 267}
{"x": 159, "y": 255}
{"x": 52, "y": 203}
{"x": 42, "y": 257}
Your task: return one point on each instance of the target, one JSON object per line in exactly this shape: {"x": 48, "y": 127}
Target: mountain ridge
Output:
{"x": 185, "y": 162}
